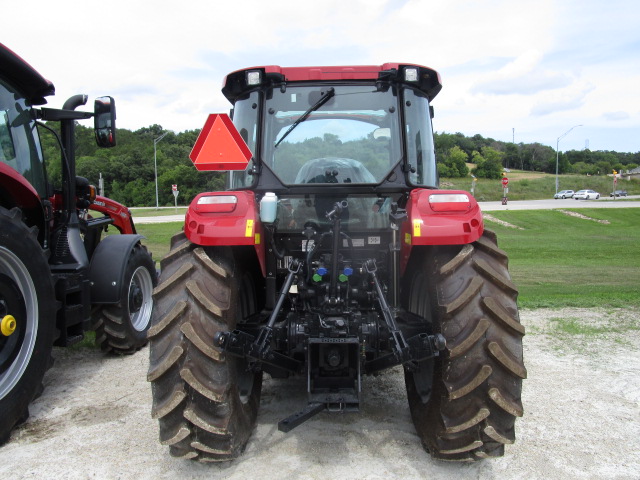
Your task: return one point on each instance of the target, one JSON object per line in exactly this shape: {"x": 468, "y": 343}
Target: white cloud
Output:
{"x": 616, "y": 116}
{"x": 565, "y": 99}
{"x": 525, "y": 75}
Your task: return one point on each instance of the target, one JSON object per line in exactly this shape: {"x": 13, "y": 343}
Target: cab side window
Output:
{"x": 19, "y": 141}
{"x": 419, "y": 137}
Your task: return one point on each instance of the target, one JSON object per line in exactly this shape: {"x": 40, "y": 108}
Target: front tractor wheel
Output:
{"x": 122, "y": 327}
{"x": 205, "y": 401}
{"x": 477, "y": 380}
{"x": 27, "y": 319}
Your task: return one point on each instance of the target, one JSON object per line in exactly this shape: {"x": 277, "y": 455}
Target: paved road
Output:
{"x": 604, "y": 202}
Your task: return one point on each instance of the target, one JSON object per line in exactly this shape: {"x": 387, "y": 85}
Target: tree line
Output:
{"x": 128, "y": 170}
{"x": 453, "y": 151}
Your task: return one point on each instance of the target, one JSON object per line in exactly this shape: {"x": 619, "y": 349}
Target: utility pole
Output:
{"x": 557, "y": 155}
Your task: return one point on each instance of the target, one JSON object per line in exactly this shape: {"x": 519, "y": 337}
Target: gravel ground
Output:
{"x": 582, "y": 419}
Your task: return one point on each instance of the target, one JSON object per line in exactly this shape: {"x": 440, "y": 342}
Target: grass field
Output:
{"x": 557, "y": 260}
{"x": 524, "y": 185}
{"x": 158, "y": 236}
{"x": 152, "y": 212}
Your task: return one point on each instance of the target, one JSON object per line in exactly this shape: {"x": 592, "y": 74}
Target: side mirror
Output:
{"x": 105, "y": 121}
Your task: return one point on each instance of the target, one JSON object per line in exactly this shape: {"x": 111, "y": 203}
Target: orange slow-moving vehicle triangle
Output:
{"x": 219, "y": 146}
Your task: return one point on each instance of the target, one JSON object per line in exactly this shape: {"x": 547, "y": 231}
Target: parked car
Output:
{"x": 618, "y": 193}
{"x": 586, "y": 195}
{"x": 564, "y": 194}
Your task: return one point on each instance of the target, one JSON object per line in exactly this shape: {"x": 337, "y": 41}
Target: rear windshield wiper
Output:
{"x": 323, "y": 99}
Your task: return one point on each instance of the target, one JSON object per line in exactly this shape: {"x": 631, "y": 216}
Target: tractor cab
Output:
{"x": 371, "y": 134}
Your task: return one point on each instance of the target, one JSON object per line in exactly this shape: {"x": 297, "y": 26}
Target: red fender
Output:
{"x": 19, "y": 189}
{"x": 440, "y": 217}
{"x": 226, "y": 218}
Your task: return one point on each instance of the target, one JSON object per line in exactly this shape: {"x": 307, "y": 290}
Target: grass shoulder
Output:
{"x": 587, "y": 331}
{"x": 524, "y": 185}
{"x": 160, "y": 212}
{"x": 559, "y": 260}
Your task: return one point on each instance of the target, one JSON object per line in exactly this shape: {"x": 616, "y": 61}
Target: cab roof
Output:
{"x": 428, "y": 80}
{"x": 24, "y": 77}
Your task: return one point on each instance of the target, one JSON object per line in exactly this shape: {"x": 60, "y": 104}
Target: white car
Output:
{"x": 586, "y": 195}
{"x": 564, "y": 194}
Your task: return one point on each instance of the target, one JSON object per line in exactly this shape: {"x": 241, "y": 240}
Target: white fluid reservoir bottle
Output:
{"x": 268, "y": 207}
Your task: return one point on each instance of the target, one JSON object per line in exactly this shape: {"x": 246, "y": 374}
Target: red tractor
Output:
{"x": 333, "y": 255}
{"x": 58, "y": 276}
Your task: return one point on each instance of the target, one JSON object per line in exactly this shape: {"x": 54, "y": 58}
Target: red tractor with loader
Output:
{"x": 333, "y": 255}
{"x": 59, "y": 275}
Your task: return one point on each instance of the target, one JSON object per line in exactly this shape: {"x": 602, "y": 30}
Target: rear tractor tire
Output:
{"x": 27, "y": 316}
{"x": 122, "y": 327}
{"x": 477, "y": 380}
{"x": 206, "y": 402}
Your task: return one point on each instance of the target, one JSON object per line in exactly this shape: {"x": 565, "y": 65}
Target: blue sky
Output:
{"x": 523, "y": 70}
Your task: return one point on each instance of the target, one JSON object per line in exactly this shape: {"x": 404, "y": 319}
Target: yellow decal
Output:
{"x": 416, "y": 227}
{"x": 249, "y": 229}
{"x": 407, "y": 238}
{"x": 257, "y": 239}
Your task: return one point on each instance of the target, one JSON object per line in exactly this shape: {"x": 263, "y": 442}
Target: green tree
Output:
{"x": 444, "y": 171}
{"x": 511, "y": 156}
{"x": 582, "y": 168}
{"x": 457, "y": 162}
{"x": 488, "y": 164}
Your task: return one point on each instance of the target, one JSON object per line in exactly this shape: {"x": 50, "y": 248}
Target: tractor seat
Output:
{"x": 334, "y": 170}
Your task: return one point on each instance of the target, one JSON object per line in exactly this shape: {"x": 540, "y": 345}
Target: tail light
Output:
{"x": 449, "y": 202}
{"x": 216, "y": 204}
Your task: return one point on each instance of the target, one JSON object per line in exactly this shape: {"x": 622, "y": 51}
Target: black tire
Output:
{"x": 206, "y": 402}
{"x": 26, "y": 293}
{"x": 477, "y": 380}
{"x": 122, "y": 327}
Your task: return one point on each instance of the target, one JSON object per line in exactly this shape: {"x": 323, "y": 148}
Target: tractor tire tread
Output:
{"x": 115, "y": 332}
{"x": 195, "y": 398}
{"x": 477, "y": 382}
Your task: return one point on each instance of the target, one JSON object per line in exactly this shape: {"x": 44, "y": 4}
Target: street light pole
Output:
{"x": 557, "y": 154}
{"x": 155, "y": 162}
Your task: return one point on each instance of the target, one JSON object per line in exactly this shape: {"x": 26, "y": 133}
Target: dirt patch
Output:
{"x": 493, "y": 219}
{"x": 583, "y": 217}
{"x": 581, "y": 399}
